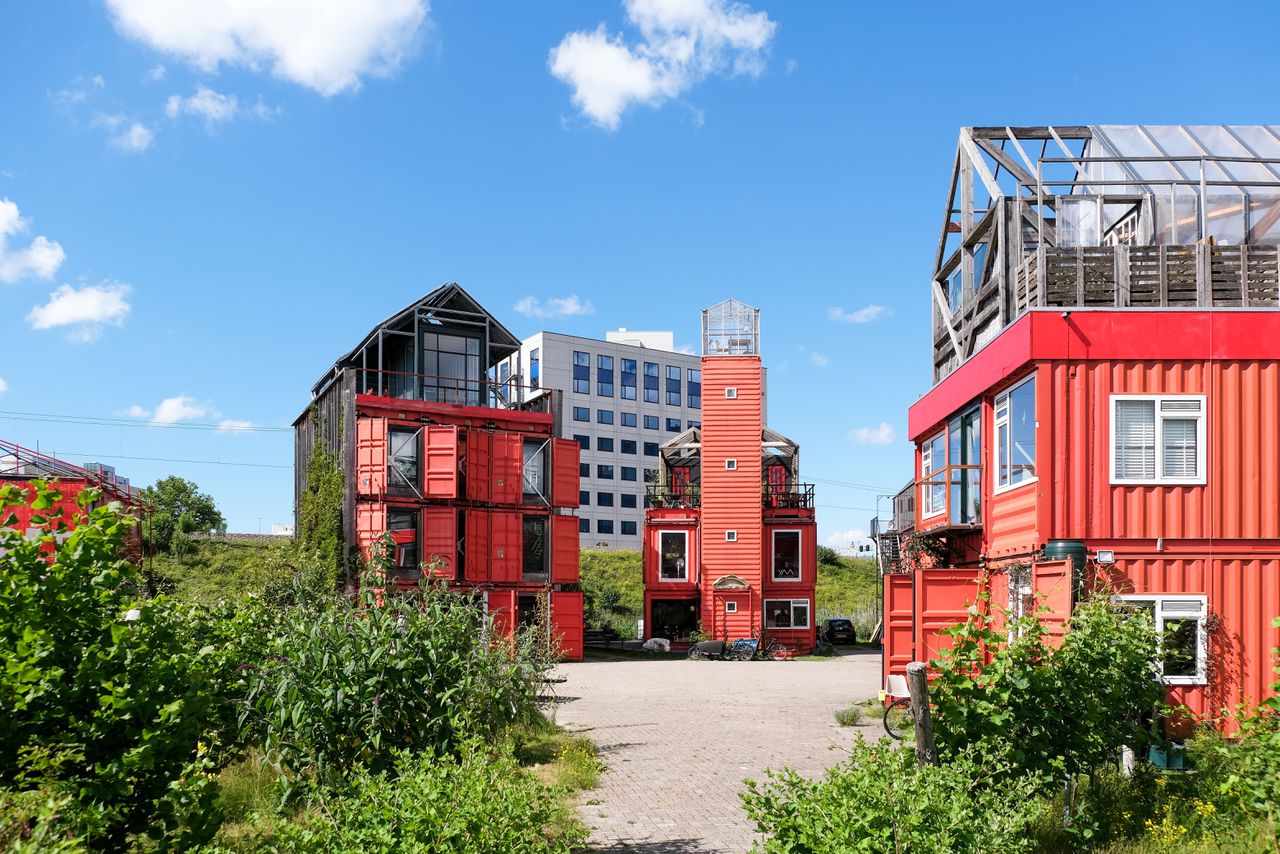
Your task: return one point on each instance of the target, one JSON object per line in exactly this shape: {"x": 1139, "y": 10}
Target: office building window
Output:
{"x": 583, "y": 441}
{"x": 651, "y": 422}
{"x": 695, "y": 388}
{"x": 604, "y": 526}
{"x": 628, "y": 419}
{"x": 673, "y": 425}
{"x": 584, "y": 469}
{"x": 629, "y": 500}
{"x": 581, "y": 413}
{"x": 628, "y": 528}
{"x": 504, "y": 372}
{"x": 673, "y": 385}
{"x": 604, "y": 499}
{"x": 604, "y": 416}
{"x": 650, "y": 449}
{"x": 535, "y": 364}
{"x": 584, "y": 525}
{"x": 581, "y": 372}
{"x": 604, "y": 443}
{"x": 604, "y": 376}
{"x": 628, "y": 473}
{"x": 694, "y": 424}
{"x": 650, "y": 475}
{"x": 650, "y": 382}
{"x": 628, "y": 446}
{"x": 629, "y": 379}
{"x": 584, "y": 497}
{"x": 604, "y": 472}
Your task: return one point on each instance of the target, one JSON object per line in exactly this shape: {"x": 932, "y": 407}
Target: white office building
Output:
{"x": 622, "y": 398}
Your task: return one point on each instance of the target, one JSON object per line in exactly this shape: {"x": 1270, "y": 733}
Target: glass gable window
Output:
{"x": 604, "y": 416}
{"x": 534, "y": 553}
{"x": 403, "y": 471}
{"x": 1015, "y": 426}
{"x": 628, "y": 419}
{"x": 451, "y": 369}
{"x": 650, "y": 382}
{"x": 628, "y": 380}
{"x": 581, "y": 372}
{"x": 786, "y": 555}
{"x": 1181, "y": 636}
{"x": 673, "y": 555}
{"x": 604, "y": 376}
{"x": 786, "y": 613}
{"x": 1158, "y": 439}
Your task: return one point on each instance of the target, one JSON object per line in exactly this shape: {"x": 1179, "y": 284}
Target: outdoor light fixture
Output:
{"x": 1106, "y": 556}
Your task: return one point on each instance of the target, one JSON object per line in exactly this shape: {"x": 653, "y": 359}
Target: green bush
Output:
{"x": 849, "y": 716}
{"x": 347, "y": 682}
{"x": 881, "y": 800}
{"x": 478, "y": 801}
{"x": 612, "y": 590}
{"x": 105, "y": 698}
{"x": 848, "y": 587}
{"x": 1055, "y": 710}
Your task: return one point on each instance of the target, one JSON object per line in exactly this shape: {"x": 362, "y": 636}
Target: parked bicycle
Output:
{"x": 899, "y": 720}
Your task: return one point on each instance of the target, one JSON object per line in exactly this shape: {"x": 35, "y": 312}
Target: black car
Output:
{"x": 839, "y": 631}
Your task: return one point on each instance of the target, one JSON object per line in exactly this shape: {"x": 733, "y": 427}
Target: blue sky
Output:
{"x": 173, "y": 254}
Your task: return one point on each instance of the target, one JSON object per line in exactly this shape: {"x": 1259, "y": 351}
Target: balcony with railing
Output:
{"x": 798, "y": 496}
{"x": 950, "y": 499}
{"x": 435, "y": 388}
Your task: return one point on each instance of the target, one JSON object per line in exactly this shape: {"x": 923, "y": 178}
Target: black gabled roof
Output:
{"x": 448, "y": 298}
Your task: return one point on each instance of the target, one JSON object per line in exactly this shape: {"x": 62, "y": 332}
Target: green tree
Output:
{"x": 178, "y": 508}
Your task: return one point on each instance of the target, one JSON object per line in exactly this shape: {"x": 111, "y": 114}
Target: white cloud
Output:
{"x": 861, "y": 315}
{"x": 4, "y": 386}
{"x": 171, "y": 410}
{"x": 128, "y": 136}
{"x": 569, "y": 306}
{"x": 325, "y": 45}
{"x": 682, "y": 42}
{"x": 791, "y": 66}
{"x": 136, "y": 411}
{"x": 40, "y": 259}
{"x": 818, "y": 359}
{"x": 80, "y": 90}
{"x": 213, "y": 107}
{"x": 882, "y": 435}
{"x": 264, "y": 112}
{"x": 86, "y": 311}
{"x": 233, "y": 425}
{"x": 847, "y": 538}
{"x": 156, "y": 73}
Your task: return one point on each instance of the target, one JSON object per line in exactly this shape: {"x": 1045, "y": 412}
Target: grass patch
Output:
{"x": 849, "y": 716}
{"x": 849, "y": 587}
{"x": 612, "y": 589}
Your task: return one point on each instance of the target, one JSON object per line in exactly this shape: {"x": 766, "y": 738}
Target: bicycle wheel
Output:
{"x": 696, "y": 654}
{"x": 897, "y": 719}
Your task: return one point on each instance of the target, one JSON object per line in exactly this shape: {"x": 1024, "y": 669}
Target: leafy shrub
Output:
{"x": 1055, "y": 710}
{"x": 478, "y": 801}
{"x": 347, "y": 682}
{"x": 105, "y": 698}
{"x": 881, "y": 800}
{"x": 849, "y": 716}
{"x": 612, "y": 589}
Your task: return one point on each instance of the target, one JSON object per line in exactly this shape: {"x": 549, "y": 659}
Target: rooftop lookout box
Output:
{"x": 1123, "y": 216}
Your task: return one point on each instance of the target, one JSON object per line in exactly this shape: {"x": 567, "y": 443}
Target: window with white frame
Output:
{"x": 786, "y": 555}
{"x": 730, "y": 536}
{"x": 933, "y": 459}
{"x": 1015, "y": 435}
{"x": 1181, "y": 642}
{"x": 786, "y": 613}
{"x": 731, "y": 607}
{"x": 673, "y": 555}
{"x": 1157, "y": 438}
{"x": 731, "y": 465}
{"x": 730, "y": 393}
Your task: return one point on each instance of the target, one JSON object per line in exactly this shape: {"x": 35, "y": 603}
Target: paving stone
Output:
{"x": 678, "y": 737}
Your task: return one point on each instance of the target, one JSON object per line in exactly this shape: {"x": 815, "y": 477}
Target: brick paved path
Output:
{"x": 678, "y": 737}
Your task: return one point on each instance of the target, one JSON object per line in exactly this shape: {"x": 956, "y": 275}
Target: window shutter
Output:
{"x": 1179, "y": 452}
{"x": 1135, "y": 439}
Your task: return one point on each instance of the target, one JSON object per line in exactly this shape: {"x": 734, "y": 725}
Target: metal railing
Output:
{"x": 796, "y": 496}
{"x": 672, "y": 497}
{"x": 435, "y": 388}
{"x": 951, "y": 497}
{"x": 793, "y": 497}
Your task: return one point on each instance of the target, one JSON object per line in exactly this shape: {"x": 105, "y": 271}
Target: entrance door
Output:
{"x": 673, "y": 619}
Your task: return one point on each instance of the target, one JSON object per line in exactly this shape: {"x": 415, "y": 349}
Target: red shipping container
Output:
{"x": 440, "y": 540}
{"x": 371, "y": 456}
{"x": 479, "y": 465}
{"x": 478, "y": 538}
{"x": 440, "y": 462}
{"x": 566, "y": 623}
{"x": 495, "y": 464}
{"x": 565, "y": 475}
{"x": 565, "y": 546}
{"x": 505, "y": 550}
{"x": 502, "y": 609}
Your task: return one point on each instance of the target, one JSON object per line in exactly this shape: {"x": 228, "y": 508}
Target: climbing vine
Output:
{"x": 319, "y": 534}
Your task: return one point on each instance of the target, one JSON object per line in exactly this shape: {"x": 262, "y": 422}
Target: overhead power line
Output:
{"x": 169, "y": 460}
{"x": 103, "y": 421}
{"x": 869, "y": 487}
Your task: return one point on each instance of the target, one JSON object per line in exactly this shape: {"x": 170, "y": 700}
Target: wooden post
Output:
{"x": 918, "y": 685}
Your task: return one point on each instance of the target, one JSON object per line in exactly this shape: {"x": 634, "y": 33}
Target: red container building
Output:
{"x": 730, "y": 540}
{"x": 1106, "y": 410}
{"x": 471, "y": 487}
{"x": 19, "y": 466}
